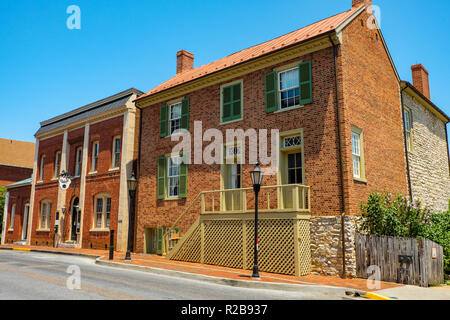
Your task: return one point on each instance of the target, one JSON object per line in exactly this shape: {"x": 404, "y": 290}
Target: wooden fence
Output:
{"x": 401, "y": 260}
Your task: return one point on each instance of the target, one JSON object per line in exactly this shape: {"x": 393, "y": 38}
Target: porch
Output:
{"x": 223, "y": 234}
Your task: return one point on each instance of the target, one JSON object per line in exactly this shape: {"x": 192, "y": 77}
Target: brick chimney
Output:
{"x": 185, "y": 61}
{"x": 420, "y": 79}
{"x": 356, "y": 3}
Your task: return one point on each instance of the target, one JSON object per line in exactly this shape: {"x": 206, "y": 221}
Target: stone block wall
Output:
{"x": 428, "y": 157}
{"x": 326, "y": 245}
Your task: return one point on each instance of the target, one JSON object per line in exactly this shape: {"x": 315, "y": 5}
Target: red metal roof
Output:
{"x": 313, "y": 30}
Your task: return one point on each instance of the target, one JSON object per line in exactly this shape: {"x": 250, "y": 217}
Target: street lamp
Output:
{"x": 257, "y": 176}
{"x": 132, "y": 184}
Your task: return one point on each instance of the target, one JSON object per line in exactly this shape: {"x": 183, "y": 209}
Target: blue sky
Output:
{"x": 47, "y": 69}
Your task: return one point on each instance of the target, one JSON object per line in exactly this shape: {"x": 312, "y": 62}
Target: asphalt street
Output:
{"x": 39, "y": 276}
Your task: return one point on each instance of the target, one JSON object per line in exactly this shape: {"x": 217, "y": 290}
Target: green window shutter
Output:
{"x": 161, "y": 185}
{"x": 305, "y": 80}
{"x": 271, "y": 91}
{"x": 183, "y": 180}
{"x": 185, "y": 114}
{"x": 159, "y": 244}
{"x": 231, "y": 102}
{"x": 164, "y": 121}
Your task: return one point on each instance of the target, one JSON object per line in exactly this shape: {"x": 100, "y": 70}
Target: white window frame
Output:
{"x": 57, "y": 164}
{"x": 115, "y": 152}
{"x": 44, "y": 224}
{"x": 11, "y": 220}
{"x": 279, "y": 72}
{"x": 105, "y": 214}
{"x": 174, "y": 177}
{"x": 358, "y": 163}
{"x": 180, "y": 104}
{"x": 95, "y": 148}
{"x": 41, "y": 168}
{"x": 78, "y": 161}
{"x": 408, "y": 129}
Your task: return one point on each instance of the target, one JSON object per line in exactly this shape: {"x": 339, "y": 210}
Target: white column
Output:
{"x": 83, "y": 180}
{"x": 5, "y": 214}
{"x": 126, "y": 166}
{"x": 62, "y": 193}
{"x": 33, "y": 189}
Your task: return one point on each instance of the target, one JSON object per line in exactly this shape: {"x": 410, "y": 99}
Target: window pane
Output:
{"x": 299, "y": 176}
{"x": 98, "y": 224}
{"x": 117, "y": 145}
{"x": 291, "y": 176}
{"x": 356, "y": 166}
{"x": 291, "y": 160}
{"x": 108, "y": 205}
{"x": 298, "y": 159}
{"x": 99, "y": 205}
{"x": 355, "y": 144}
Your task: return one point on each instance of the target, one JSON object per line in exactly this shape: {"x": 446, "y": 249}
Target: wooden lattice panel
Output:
{"x": 230, "y": 243}
{"x": 223, "y": 243}
{"x": 190, "y": 250}
{"x": 276, "y": 245}
{"x": 304, "y": 247}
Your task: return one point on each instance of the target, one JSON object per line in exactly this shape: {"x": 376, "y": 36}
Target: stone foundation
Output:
{"x": 326, "y": 245}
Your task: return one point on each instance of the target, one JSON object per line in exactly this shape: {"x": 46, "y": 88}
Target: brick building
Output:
{"x": 16, "y": 161}
{"x": 17, "y": 209}
{"x": 426, "y": 143}
{"x": 97, "y": 145}
{"x": 340, "y": 137}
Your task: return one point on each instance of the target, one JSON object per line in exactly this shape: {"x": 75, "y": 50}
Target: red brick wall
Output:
{"x": 320, "y": 141}
{"x": 9, "y": 174}
{"x": 370, "y": 98}
{"x": 103, "y": 181}
{"x": 20, "y": 197}
{"x": 47, "y": 190}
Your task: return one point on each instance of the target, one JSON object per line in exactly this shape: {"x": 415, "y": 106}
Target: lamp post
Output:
{"x": 132, "y": 184}
{"x": 256, "y": 175}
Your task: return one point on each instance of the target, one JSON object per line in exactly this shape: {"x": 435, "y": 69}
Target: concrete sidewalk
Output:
{"x": 223, "y": 275}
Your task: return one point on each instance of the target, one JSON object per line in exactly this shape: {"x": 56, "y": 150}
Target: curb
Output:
{"x": 84, "y": 255}
{"x": 376, "y": 296}
{"x": 326, "y": 290}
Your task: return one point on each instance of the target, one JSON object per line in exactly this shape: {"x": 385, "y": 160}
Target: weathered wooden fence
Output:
{"x": 401, "y": 260}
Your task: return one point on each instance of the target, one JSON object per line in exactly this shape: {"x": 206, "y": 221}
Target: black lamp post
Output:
{"x": 257, "y": 176}
{"x": 132, "y": 184}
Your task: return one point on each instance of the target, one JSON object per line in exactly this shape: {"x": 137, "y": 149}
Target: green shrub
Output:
{"x": 386, "y": 214}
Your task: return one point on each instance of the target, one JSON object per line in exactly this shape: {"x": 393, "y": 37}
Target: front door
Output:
{"x": 233, "y": 173}
{"x": 294, "y": 176}
{"x": 25, "y": 222}
{"x": 75, "y": 220}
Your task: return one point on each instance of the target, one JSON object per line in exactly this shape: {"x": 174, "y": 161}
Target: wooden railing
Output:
{"x": 280, "y": 198}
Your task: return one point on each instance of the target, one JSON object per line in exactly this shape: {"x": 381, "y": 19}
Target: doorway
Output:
{"x": 25, "y": 222}
{"x": 151, "y": 240}
{"x": 75, "y": 222}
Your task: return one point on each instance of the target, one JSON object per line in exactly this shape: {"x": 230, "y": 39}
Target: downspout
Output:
{"x": 408, "y": 176}
{"x": 341, "y": 171}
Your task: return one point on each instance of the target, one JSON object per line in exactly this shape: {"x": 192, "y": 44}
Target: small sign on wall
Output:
{"x": 434, "y": 252}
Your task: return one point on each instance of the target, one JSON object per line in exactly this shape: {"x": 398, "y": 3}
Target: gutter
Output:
{"x": 341, "y": 171}
{"x": 405, "y": 143}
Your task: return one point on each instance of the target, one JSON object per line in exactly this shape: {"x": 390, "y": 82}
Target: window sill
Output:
{"x": 99, "y": 230}
{"x": 113, "y": 169}
{"x": 360, "y": 180}
{"x": 289, "y": 109}
{"x": 172, "y": 198}
{"x": 54, "y": 179}
{"x": 92, "y": 173}
{"x": 43, "y": 230}
{"x": 40, "y": 182}
{"x": 10, "y": 230}
{"x": 221, "y": 123}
